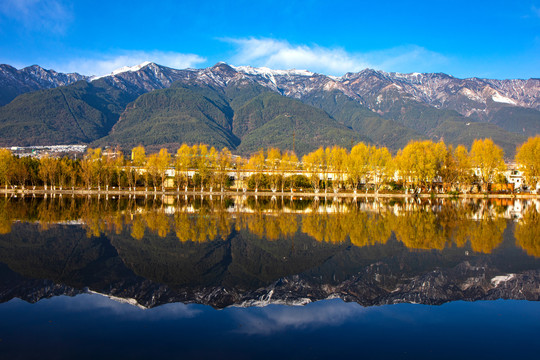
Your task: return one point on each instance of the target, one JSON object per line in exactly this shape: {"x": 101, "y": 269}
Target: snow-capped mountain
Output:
{"x": 142, "y": 78}
{"x": 470, "y": 97}
{"x": 387, "y": 108}
{"x": 123, "y": 70}
{"x": 14, "y": 82}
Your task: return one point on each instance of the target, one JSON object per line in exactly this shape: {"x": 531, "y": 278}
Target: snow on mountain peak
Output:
{"x": 502, "y": 99}
{"x": 130, "y": 68}
{"x": 264, "y": 71}
{"x": 406, "y": 75}
{"x": 124, "y": 69}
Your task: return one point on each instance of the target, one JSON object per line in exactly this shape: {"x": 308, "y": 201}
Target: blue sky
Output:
{"x": 494, "y": 39}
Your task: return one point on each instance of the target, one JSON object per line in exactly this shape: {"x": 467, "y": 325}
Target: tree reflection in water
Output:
{"x": 419, "y": 224}
{"x": 527, "y": 232}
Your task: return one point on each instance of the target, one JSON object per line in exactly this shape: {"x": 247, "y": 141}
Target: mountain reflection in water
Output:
{"x": 224, "y": 251}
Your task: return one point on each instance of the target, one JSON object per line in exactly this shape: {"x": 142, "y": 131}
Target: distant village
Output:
{"x": 72, "y": 151}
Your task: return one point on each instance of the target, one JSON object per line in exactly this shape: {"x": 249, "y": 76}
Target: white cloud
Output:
{"x": 102, "y": 305}
{"x": 409, "y": 58}
{"x": 42, "y": 15}
{"x": 280, "y": 54}
{"x": 100, "y": 64}
{"x": 280, "y": 318}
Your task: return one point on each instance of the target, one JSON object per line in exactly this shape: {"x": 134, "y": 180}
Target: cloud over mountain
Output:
{"x": 101, "y": 64}
{"x": 280, "y": 54}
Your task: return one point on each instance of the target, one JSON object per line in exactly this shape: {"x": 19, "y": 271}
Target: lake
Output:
{"x": 268, "y": 277}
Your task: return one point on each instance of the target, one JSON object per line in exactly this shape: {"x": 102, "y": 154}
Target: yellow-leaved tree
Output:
{"x": 288, "y": 164}
{"x": 48, "y": 170}
{"x": 357, "y": 164}
{"x": 337, "y": 160}
{"x": 138, "y": 160}
{"x": 527, "y": 230}
{"x": 5, "y": 166}
{"x": 224, "y": 161}
{"x": 182, "y": 164}
{"x": 420, "y": 162}
{"x": 487, "y": 159}
{"x": 456, "y": 171}
{"x": 273, "y": 159}
{"x": 256, "y": 166}
{"x": 314, "y": 163}
{"x": 381, "y": 166}
{"x": 163, "y": 162}
{"x": 528, "y": 158}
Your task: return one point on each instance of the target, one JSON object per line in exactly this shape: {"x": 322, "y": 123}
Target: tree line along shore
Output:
{"x": 420, "y": 167}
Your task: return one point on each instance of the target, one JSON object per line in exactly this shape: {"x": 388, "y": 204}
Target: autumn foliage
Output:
{"x": 419, "y": 166}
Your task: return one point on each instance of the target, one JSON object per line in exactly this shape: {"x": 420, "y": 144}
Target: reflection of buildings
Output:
{"x": 417, "y": 223}
{"x": 506, "y": 208}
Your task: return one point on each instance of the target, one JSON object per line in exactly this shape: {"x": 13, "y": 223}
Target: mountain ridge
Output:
{"x": 416, "y": 105}
{"x": 14, "y": 82}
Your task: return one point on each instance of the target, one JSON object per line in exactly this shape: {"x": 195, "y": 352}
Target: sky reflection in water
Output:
{"x": 260, "y": 251}
{"x": 87, "y": 325}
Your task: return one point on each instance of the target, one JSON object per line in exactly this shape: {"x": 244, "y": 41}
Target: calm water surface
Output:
{"x": 242, "y": 277}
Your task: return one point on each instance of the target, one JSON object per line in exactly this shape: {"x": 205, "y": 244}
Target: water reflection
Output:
{"x": 420, "y": 224}
{"x": 191, "y": 331}
{"x": 258, "y": 251}
{"x": 528, "y": 232}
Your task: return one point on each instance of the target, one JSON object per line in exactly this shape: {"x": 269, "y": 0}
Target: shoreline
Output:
{"x": 259, "y": 193}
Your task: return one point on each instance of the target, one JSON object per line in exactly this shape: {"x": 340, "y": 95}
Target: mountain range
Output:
{"x": 245, "y": 270}
{"x": 245, "y": 108}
